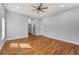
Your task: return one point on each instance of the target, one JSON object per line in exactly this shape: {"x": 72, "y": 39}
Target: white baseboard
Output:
{"x": 2, "y": 44}
{"x": 10, "y": 39}
{"x": 62, "y": 39}
{"x": 37, "y": 34}
{"x": 13, "y": 38}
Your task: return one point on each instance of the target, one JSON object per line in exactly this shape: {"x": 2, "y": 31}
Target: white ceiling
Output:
{"x": 25, "y": 8}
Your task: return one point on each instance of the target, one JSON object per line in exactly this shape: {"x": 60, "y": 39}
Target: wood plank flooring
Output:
{"x": 39, "y": 45}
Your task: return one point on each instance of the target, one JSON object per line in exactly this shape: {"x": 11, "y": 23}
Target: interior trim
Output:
{"x": 62, "y": 39}
{"x": 3, "y": 28}
{"x": 2, "y": 44}
{"x": 14, "y": 38}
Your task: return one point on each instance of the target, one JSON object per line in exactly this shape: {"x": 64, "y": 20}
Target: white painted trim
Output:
{"x": 3, "y": 28}
{"x": 10, "y": 39}
{"x": 3, "y": 33}
{"x": 62, "y": 39}
{"x": 15, "y": 38}
{"x": 2, "y": 44}
{"x": 37, "y": 34}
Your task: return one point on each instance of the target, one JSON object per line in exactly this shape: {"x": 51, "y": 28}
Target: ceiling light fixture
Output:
{"x": 29, "y": 20}
{"x": 61, "y": 6}
{"x": 18, "y": 7}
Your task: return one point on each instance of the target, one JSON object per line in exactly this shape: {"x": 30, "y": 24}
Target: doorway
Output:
{"x": 31, "y": 29}
{"x": 33, "y": 26}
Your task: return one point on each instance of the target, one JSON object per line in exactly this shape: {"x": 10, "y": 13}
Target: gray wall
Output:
{"x": 64, "y": 25}
{"x": 16, "y": 25}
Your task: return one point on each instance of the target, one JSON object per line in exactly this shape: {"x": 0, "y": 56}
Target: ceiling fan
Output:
{"x": 39, "y": 8}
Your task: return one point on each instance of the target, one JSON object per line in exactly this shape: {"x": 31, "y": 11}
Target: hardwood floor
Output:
{"x": 39, "y": 45}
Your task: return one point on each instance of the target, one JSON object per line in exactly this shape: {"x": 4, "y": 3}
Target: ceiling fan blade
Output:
{"x": 44, "y": 8}
{"x": 40, "y": 4}
{"x": 34, "y": 6}
{"x": 34, "y": 10}
{"x": 42, "y": 11}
